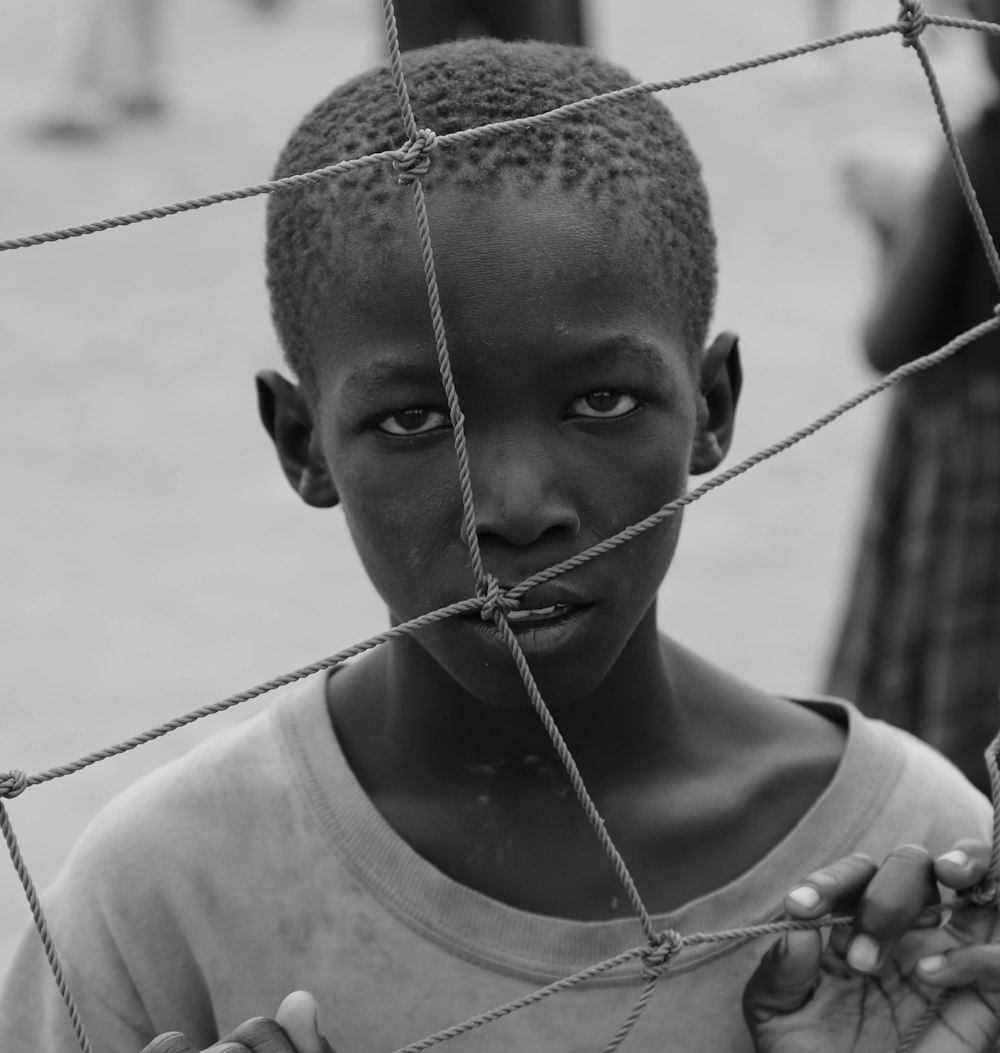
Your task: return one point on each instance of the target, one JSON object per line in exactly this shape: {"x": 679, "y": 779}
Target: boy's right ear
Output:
{"x": 288, "y": 420}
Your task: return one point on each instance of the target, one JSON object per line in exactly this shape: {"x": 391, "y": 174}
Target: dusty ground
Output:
{"x": 153, "y": 559}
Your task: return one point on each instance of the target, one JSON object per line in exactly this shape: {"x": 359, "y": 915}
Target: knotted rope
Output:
{"x": 12, "y": 784}
{"x": 658, "y": 955}
{"x": 913, "y": 20}
{"x": 415, "y": 157}
{"x": 495, "y": 601}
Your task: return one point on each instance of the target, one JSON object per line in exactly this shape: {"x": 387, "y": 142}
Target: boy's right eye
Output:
{"x": 416, "y": 421}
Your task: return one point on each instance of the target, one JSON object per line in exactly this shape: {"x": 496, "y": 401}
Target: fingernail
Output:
{"x": 862, "y": 954}
{"x": 956, "y": 857}
{"x": 805, "y": 896}
{"x": 933, "y": 964}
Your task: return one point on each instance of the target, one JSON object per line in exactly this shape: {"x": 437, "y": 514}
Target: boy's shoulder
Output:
{"x": 219, "y": 786}
{"x": 908, "y": 790}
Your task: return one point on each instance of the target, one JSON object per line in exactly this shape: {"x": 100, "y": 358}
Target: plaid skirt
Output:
{"x": 920, "y": 641}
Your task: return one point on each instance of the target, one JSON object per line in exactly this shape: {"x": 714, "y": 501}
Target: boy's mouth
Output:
{"x": 538, "y": 614}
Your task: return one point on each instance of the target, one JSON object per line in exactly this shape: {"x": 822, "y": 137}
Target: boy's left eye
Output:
{"x": 416, "y": 421}
{"x": 603, "y": 405}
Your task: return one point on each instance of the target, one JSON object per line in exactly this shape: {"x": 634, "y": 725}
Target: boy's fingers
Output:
{"x": 785, "y": 979}
{"x": 964, "y": 866}
{"x": 891, "y": 904}
{"x": 832, "y": 888}
{"x": 977, "y": 966}
{"x": 171, "y": 1042}
{"x": 259, "y": 1035}
{"x": 298, "y": 1015}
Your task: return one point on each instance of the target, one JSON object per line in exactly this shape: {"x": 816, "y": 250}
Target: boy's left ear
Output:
{"x": 721, "y": 378}
{"x": 285, "y": 414}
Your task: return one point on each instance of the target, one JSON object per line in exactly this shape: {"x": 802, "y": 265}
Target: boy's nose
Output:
{"x": 522, "y": 498}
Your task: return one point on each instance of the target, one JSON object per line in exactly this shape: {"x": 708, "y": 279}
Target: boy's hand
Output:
{"x": 295, "y": 1029}
{"x": 867, "y": 989}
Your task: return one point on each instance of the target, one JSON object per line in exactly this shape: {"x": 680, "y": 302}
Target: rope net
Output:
{"x": 412, "y": 160}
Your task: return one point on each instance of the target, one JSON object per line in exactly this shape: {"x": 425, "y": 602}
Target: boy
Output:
{"x": 400, "y": 837}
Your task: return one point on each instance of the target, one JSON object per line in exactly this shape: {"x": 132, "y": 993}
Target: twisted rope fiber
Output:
{"x": 499, "y": 127}
{"x": 963, "y": 23}
{"x": 993, "y": 767}
{"x": 576, "y": 779}
{"x": 489, "y": 588}
{"x": 414, "y": 165}
{"x": 396, "y": 69}
{"x": 451, "y": 394}
{"x": 964, "y": 182}
{"x": 656, "y": 960}
{"x": 461, "y": 607}
{"x": 162, "y": 211}
{"x": 409, "y": 158}
{"x": 40, "y": 924}
{"x": 628, "y": 1024}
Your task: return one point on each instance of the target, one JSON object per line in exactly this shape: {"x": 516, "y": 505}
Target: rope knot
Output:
{"x": 662, "y": 950}
{"x": 913, "y": 19}
{"x": 415, "y": 156}
{"x": 12, "y": 783}
{"x": 495, "y": 600}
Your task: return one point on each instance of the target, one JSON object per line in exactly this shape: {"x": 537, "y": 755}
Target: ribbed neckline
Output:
{"x": 542, "y": 948}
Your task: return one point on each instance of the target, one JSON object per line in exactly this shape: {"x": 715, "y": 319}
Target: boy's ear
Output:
{"x": 288, "y": 420}
{"x": 721, "y": 379}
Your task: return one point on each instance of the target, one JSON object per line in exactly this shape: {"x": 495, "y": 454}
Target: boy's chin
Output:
{"x": 561, "y": 679}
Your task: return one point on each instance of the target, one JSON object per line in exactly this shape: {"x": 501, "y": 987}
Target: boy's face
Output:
{"x": 581, "y": 408}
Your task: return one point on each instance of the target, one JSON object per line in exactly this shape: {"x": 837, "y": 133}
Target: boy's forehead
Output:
{"x": 536, "y": 276}
{"x": 502, "y": 243}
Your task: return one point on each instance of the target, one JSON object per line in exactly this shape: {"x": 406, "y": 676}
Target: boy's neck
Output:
{"x": 404, "y": 716}
{"x": 670, "y": 748}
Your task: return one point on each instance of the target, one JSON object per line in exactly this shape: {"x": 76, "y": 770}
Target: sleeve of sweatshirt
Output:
{"x": 122, "y": 945}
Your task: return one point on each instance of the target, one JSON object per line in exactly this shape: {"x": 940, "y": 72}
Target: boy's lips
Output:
{"x": 545, "y": 601}
{"x": 546, "y": 619}
{"x": 538, "y": 614}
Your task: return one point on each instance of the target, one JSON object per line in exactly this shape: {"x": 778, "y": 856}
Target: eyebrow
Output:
{"x": 380, "y": 371}
{"x": 623, "y": 348}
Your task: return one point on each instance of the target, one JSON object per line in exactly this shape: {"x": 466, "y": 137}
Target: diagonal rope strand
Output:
{"x": 451, "y": 394}
{"x": 629, "y": 532}
{"x": 38, "y": 916}
{"x": 412, "y": 176}
{"x": 961, "y": 171}
{"x": 576, "y": 779}
{"x": 462, "y": 607}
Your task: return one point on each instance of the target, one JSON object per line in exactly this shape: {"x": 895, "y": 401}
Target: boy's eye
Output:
{"x": 414, "y": 421}
{"x": 599, "y": 405}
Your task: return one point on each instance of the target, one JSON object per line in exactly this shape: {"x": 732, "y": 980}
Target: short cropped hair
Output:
{"x": 628, "y": 158}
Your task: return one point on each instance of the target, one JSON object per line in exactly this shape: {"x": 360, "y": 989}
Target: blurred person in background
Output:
{"x": 920, "y": 641}
{"x": 425, "y": 22}
{"x": 109, "y": 68}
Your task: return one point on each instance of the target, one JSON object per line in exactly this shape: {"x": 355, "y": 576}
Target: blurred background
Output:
{"x": 153, "y": 558}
